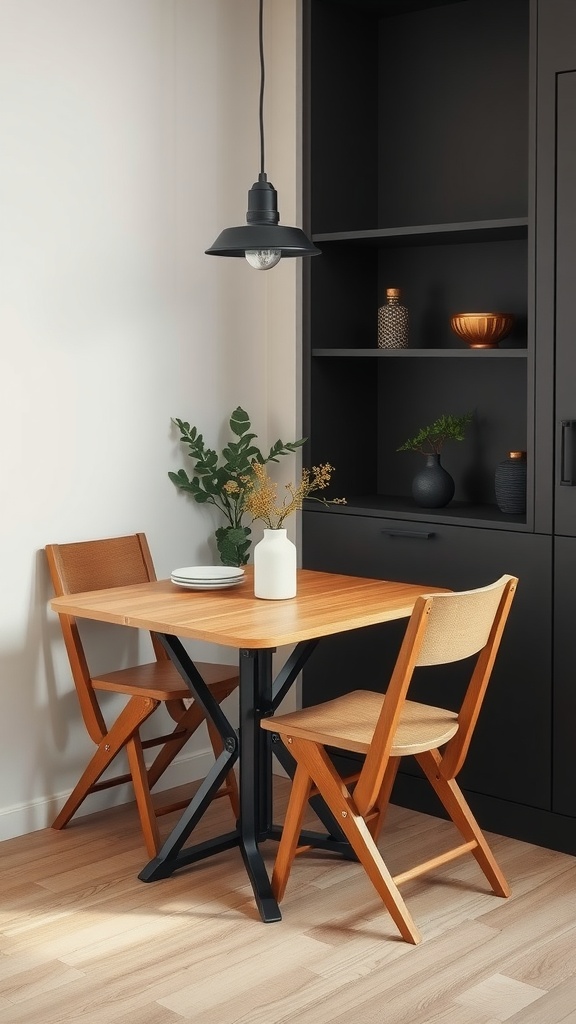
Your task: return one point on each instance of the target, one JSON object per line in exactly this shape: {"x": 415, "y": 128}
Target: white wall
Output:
{"x": 129, "y": 139}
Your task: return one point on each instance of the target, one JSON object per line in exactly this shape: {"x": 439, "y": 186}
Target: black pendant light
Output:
{"x": 262, "y": 240}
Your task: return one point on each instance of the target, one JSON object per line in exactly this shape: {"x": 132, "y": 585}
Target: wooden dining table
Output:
{"x": 326, "y": 603}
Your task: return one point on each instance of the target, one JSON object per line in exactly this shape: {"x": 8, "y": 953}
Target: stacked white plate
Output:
{"x": 207, "y": 577}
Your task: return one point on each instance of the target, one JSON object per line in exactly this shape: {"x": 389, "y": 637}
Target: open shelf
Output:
{"x": 457, "y": 513}
{"x": 420, "y": 353}
{"x": 434, "y": 234}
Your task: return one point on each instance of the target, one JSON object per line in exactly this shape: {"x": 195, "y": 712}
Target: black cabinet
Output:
{"x": 556, "y": 325}
{"x": 441, "y": 159}
{"x": 518, "y": 702}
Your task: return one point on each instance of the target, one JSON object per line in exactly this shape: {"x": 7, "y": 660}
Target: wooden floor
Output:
{"x": 82, "y": 940}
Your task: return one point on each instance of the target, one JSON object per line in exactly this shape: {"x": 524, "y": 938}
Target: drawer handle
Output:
{"x": 567, "y": 453}
{"x": 417, "y": 534}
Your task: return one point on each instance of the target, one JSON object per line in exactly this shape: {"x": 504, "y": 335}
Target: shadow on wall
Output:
{"x": 47, "y": 732}
{"x": 63, "y": 747}
{"x": 35, "y": 727}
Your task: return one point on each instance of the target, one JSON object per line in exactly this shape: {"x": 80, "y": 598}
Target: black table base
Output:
{"x": 260, "y": 696}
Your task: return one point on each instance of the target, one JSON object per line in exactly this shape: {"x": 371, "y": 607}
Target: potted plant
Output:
{"x": 433, "y": 487}
{"x": 222, "y": 480}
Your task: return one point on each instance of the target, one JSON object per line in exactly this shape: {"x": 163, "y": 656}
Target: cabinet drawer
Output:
{"x": 516, "y": 716}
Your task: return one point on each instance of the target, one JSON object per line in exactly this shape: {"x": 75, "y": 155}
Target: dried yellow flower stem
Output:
{"x": 262, "y": 499}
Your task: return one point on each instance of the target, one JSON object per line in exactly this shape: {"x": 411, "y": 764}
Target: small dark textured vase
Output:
{"x": 510, "y": 484}
{"x": 432, "y": 487}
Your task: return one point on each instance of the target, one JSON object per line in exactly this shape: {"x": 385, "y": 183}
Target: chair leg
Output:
{"x": 318, "y": 765}
{"x": 453, "y": 800}
{"x": 146, "y": 813}
{"x": 136, "y": 711}
{"x": 299, "y": 795}
{"x": 383, "y": 801}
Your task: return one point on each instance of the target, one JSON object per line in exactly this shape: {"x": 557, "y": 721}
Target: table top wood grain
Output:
{"x": 326, "y": 603}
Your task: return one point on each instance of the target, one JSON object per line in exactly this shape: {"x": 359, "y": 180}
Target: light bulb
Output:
{"x": 263, "y": 259}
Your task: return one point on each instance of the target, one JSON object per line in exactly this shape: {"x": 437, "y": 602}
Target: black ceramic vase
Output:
{"x": 432, "y": 487}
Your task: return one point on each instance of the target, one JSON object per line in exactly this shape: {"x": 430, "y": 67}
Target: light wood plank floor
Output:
{"x": 83, "y": 941}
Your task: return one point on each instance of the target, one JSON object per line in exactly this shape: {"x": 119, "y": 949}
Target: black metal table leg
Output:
{"x": 256, "y": 775}
{"x": 260, "y": 696}
{"x": 200, "y": 691}
{"x": 171, "y": 856}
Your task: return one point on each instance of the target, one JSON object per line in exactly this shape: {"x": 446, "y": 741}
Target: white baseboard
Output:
{"x": 20, "y": 819}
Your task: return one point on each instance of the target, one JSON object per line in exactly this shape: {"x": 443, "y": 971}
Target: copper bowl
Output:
{"x": 482, "y": 330}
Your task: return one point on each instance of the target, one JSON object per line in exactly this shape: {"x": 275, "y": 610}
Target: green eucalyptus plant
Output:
{"x": 224, "y": 479}
{"x": 431, "y": 439}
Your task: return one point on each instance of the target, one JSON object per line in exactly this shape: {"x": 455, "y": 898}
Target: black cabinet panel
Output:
{"x": 453, "y": 109}
{"x": 565, "y": 511}
{"x": 564, "y": 771}
{"x": 510, "y": 756}
{"x": 343, "y": 113}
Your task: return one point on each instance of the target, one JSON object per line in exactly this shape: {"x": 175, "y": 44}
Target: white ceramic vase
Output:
{"x": 275, "y": 566}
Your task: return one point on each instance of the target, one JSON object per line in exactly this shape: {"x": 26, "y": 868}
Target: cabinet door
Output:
{"x": 565, "y": 514}
{"x": 510, "y": 754}
{"x": 564, "y": 770}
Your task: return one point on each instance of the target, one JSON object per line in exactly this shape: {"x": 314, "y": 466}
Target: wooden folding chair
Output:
{"x": 384, "y": 728}
{"x": 115, "y": 562}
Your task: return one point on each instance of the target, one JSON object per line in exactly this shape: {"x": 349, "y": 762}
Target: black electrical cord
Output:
{"x": 262, "y": 77}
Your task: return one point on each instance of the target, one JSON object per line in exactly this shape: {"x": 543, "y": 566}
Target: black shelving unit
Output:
{"x": 475, "y": 231}
{"x": 440, "y": 159}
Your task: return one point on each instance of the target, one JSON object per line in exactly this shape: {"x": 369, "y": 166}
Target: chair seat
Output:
{"x": 160, "y": 679}
{"x": 348, "y": 722}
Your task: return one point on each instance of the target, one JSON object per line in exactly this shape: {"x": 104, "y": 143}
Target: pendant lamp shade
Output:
{"x": 262, "y": 230}
{"x": 263, "y": 241}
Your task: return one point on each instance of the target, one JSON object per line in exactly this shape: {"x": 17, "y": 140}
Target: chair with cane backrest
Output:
{"x": 443, "y": 628}
{"x": 115, "y": 562}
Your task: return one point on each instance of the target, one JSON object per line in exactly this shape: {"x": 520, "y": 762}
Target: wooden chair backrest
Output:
{"x": 100, "y": 564}
{"x": 96, "y": 565}
{"x": 443, "y": 628}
